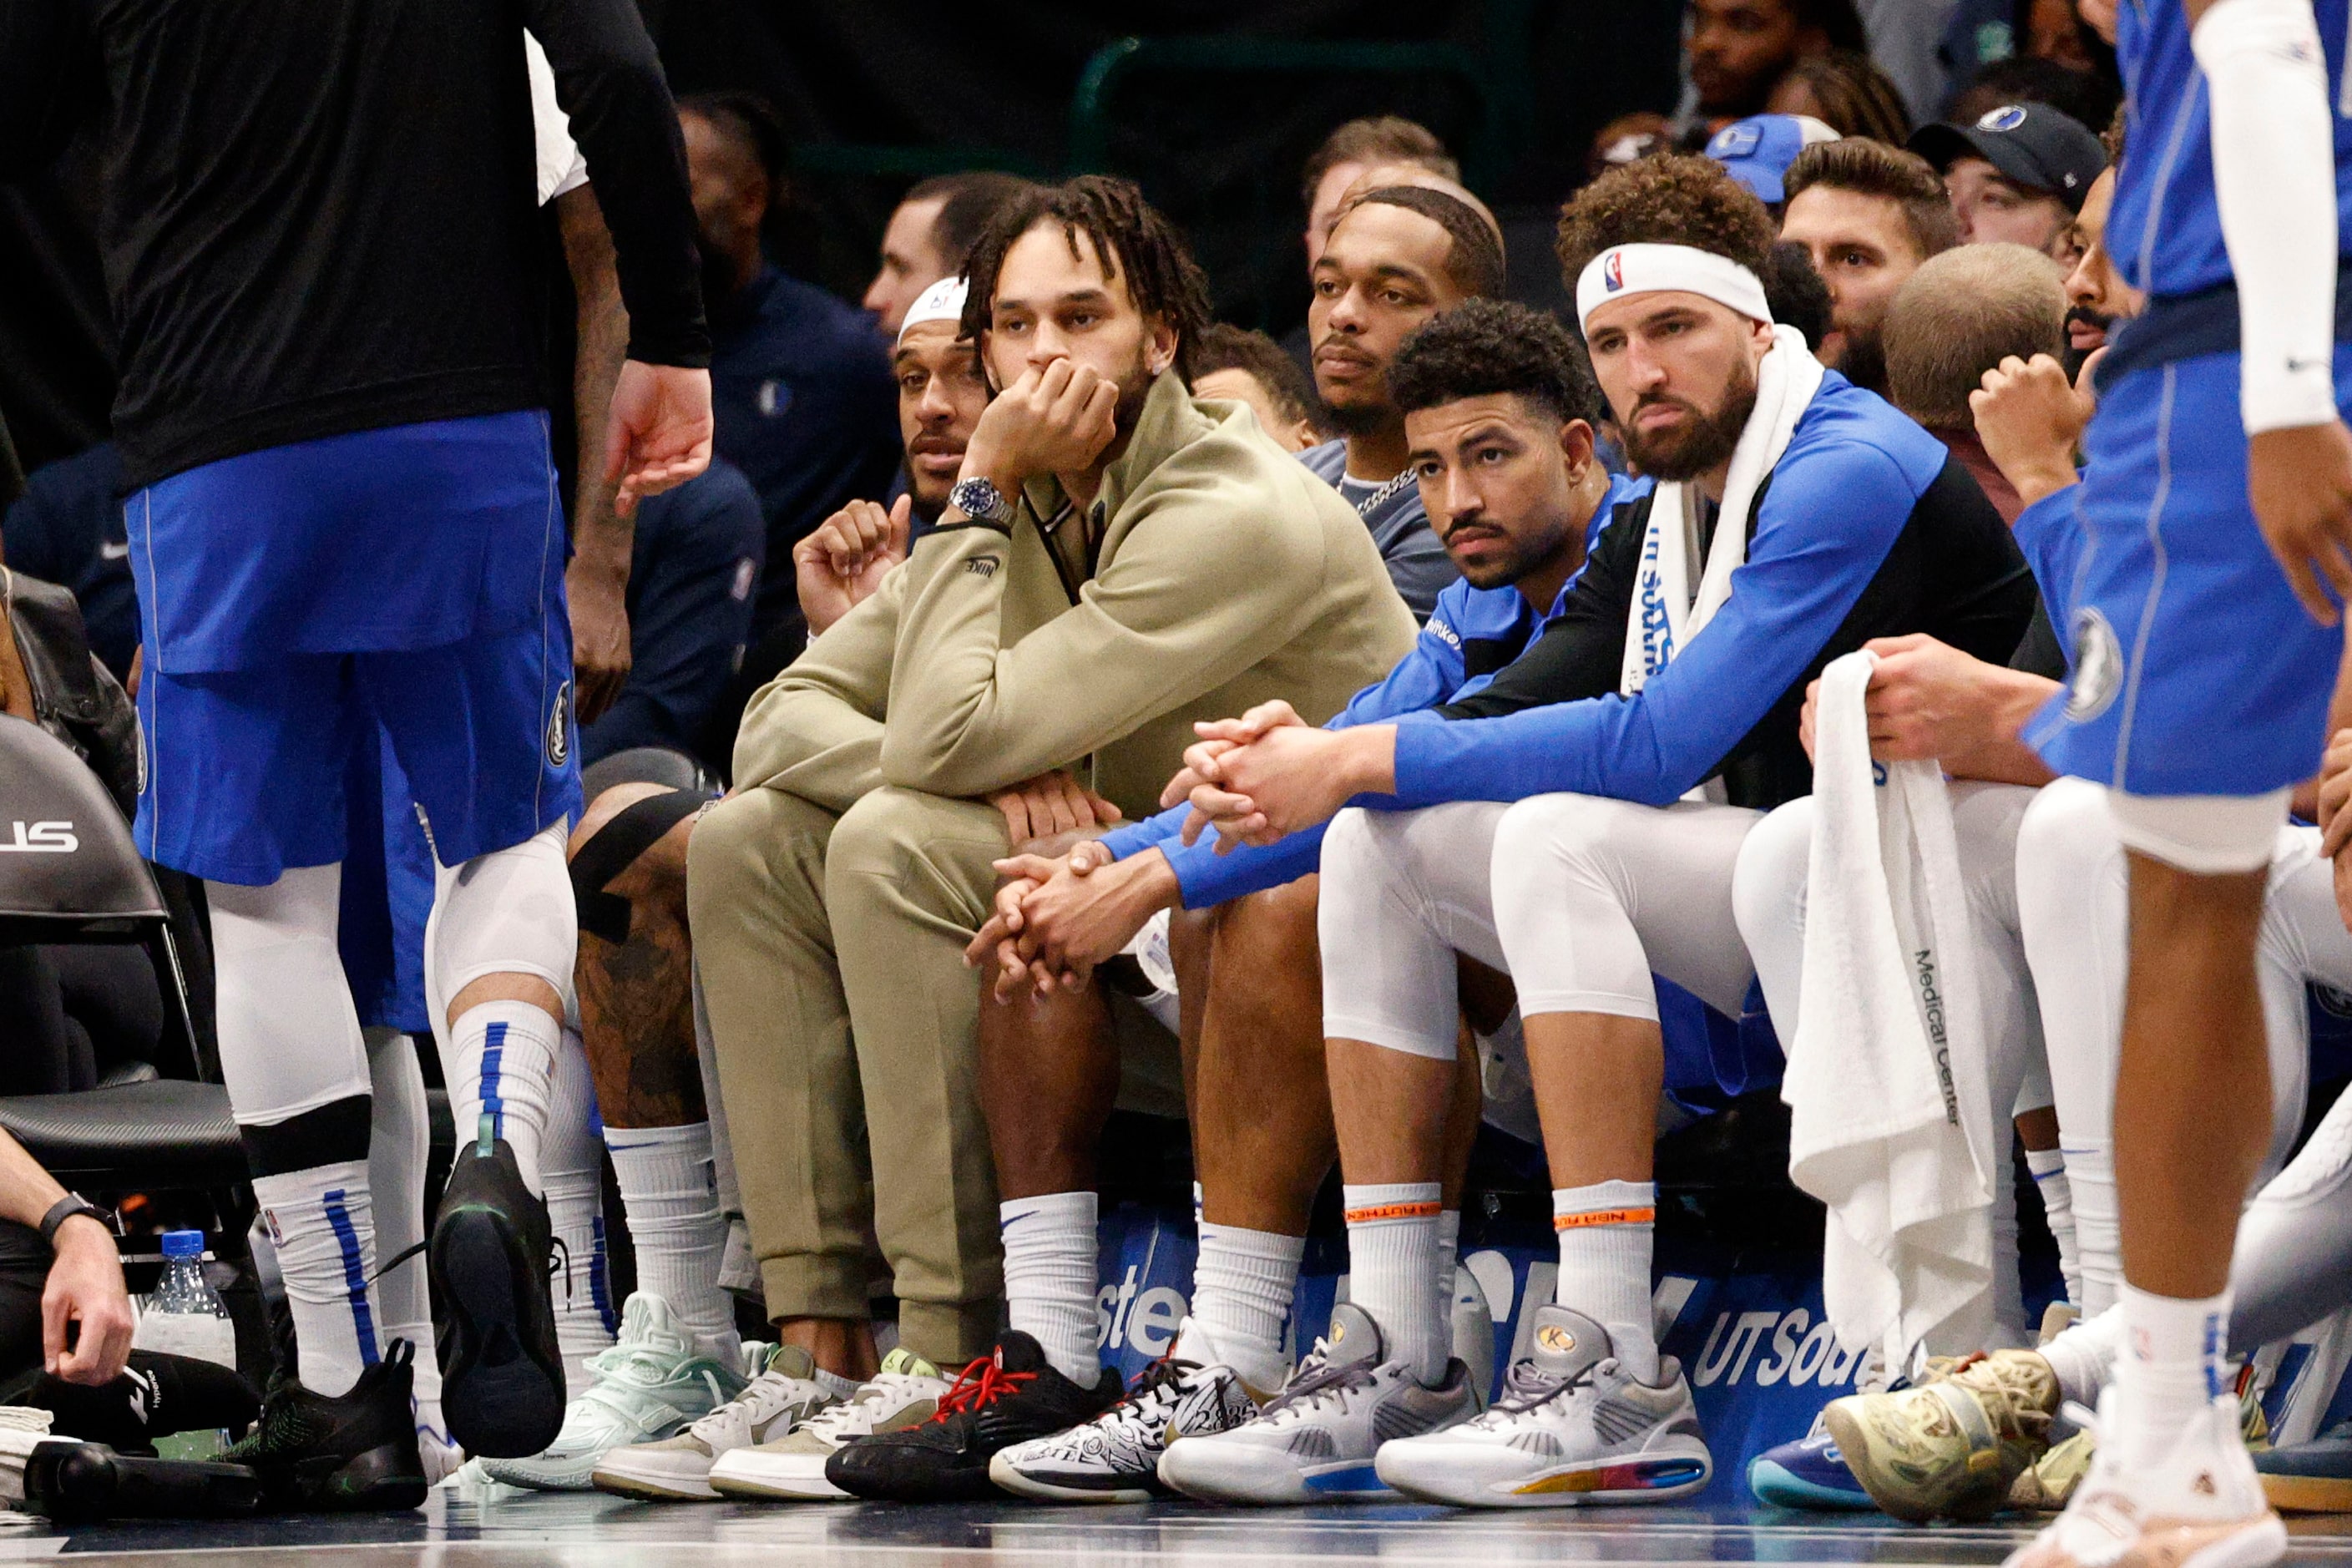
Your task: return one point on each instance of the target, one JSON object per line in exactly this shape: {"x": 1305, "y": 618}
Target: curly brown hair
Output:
{"x": 1673, "y": 198}
{"x": 1127, "y": 233}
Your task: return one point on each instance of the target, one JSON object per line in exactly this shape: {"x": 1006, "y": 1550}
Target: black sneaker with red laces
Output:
{"x": 999, "y": 1400}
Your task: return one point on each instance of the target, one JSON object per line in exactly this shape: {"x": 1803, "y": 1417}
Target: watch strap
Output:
{"x": 65, "y": 1208}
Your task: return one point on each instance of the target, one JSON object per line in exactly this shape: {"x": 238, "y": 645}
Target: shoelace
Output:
{"x": 1528, "y": 1385}
{"x": 1156, "y": 1387}
{"x": 979, "y": 1386}
{"x": 853, "y": 1417}
{"x": 761, "y": 1399}
{"x": 1318, "y": 1382}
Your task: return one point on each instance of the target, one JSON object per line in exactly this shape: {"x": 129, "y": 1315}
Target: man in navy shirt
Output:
{"x": 800, "y": 382}
{"x": 693, "y": 569}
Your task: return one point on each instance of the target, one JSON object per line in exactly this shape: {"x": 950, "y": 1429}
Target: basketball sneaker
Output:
{"x": 1315, "y": 1442}
{"x": 1006, "y": 1397}
{"x": 1951, "y": 1449}
{"x": 2199, "y": 1504}
{"x": 1573, "y": 1426}
{"x": 677, "y": 1468}
{"x": 339, "y": 1452}
{"x": 1115, "y": 1458}
{"x": 904, "y": 1393}
{"x": 648, "y": 1385}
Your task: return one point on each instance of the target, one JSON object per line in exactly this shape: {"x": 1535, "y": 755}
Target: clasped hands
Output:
{"x": 1065, "y": 906}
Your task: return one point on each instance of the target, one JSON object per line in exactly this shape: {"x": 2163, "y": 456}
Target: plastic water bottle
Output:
{"x": 184, "y": 1316}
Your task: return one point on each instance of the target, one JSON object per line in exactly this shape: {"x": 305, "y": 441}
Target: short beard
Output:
{"x": 1134, "y": 388}
{"x": 1699, "y": 445}
{"x": 1527, "y": 557}
{"x": 1864, "y": 361}
{"x": 1360, "y": 418}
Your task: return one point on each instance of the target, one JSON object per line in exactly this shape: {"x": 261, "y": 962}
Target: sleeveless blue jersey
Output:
{"x": 2164, "y": 231}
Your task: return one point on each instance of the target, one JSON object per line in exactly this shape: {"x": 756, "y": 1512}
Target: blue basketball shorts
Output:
{"x": 2196, "y": 669}
{"x": 436, "y": 555}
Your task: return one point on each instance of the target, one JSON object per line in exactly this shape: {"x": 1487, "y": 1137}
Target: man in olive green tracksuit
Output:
{"x": 1165, "y": 563}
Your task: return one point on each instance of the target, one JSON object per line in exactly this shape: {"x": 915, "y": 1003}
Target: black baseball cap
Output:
{"x": 2032, "y": 144}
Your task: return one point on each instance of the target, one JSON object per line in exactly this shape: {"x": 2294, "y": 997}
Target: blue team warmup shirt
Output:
{"x": 1473, "y": 634}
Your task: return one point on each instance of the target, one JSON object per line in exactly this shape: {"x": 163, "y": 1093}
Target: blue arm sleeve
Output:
{"x": 1428, "y": 674}
{"x": 1823, "y": 530}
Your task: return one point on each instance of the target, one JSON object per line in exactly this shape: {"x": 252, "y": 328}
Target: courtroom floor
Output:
{"x": 596, "y": 1531}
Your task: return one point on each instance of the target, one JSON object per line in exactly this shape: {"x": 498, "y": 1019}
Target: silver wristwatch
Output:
{"x": 980, "y": 500}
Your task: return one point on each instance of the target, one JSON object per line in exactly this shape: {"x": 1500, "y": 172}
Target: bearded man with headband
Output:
{"x": 1576, "y": 823}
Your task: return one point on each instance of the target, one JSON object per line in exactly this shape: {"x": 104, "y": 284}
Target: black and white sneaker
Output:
{"x": 1002, "y": 1399}
{"x": 1115, "y": 1458}
{"x": 345, "y": 1453}
{"x": 501, "y": 1370}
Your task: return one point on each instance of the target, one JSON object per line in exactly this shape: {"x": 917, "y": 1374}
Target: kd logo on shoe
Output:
{"x": 1556, "y": 1339}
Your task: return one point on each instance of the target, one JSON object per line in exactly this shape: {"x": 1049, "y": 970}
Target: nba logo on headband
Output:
{"x": 1612, "y": 273}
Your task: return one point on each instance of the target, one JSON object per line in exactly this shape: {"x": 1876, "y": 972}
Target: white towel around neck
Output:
{"x": 1667, "y": 611}
{"x": 1892, "y": 1127}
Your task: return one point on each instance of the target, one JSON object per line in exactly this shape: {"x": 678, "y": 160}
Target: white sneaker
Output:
{"x": 1115, "y": 1458}
{"x": 1315, "y": 1441}
{"x": 678, "y": 1469}
{"x": 650, "y": 1383}
{"x": 2199, "y": 1506}
{"x": 1572, "y": 1426}
{"x": 904, "y": 1393}
{"x": 441, "y": 1457}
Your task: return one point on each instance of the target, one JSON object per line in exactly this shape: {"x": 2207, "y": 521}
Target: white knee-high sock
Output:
{"x": 509, "y": 912}
{"x": 1049, "y": 1279}
{"x": 1241, "y": 1290}
{"x": 1605, "y": 1232}
{"x": 323, "y": 1228}
{"x": 2049, "y": 1168}
{"x": 503, "y": 1056}
{"x": 399, "y": 1142}
{"x": 670, "y": 1198}
{"x": 1391, "y": 1258}
{"x": 2083, "y": 1356}
{"x": 585, "y": 1316}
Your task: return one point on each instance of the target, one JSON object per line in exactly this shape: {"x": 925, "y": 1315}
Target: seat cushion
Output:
{"x": 161, "y": 1131}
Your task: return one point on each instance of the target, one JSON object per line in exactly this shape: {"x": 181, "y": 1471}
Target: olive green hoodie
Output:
{"x": 1224, "y": 574}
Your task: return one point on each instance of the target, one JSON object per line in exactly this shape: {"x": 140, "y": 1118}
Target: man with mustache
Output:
{"x": 1395, "y": 257}
{"x": 800, "y": 381}
{"x": 2096, "y": 295}
{"x": 1639, "y": 741}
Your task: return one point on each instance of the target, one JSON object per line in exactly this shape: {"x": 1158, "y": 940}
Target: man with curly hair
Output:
{"x": 1498, "y": 410}
{"x": 1576, "y": 822}
{"x": 1115, "y": 562}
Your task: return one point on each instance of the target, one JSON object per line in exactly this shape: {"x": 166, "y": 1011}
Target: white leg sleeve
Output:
{"x": 1591, "y": 895}
{"x": 507, "y": 912}
{"x": 1402, "y": 892}
{"x": 398, "y": 1143}
{"x": 1767, "y": 900}
{"x": 2074, "y": 901}
{"x": 290, "y": 1036}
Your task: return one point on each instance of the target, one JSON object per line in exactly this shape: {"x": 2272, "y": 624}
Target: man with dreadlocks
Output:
{"x": 1117, "y": 562}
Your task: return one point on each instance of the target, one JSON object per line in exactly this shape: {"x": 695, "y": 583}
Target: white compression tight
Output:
{"x": 1770, "y": 895}
{"x": 2074, "y": 915}
{"x": 507, "y": 912}
{"x": 1590, "y": 895}
{"x": 297, "y": 1072}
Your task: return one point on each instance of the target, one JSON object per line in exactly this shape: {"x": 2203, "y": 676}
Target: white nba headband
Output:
{"x": 1623, "y": 270}
{"x": 942, "y": 301}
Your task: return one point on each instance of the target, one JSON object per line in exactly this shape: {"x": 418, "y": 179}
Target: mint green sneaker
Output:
{"x": 677, "y": 1469}
{"x": 655, "y": 1380}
